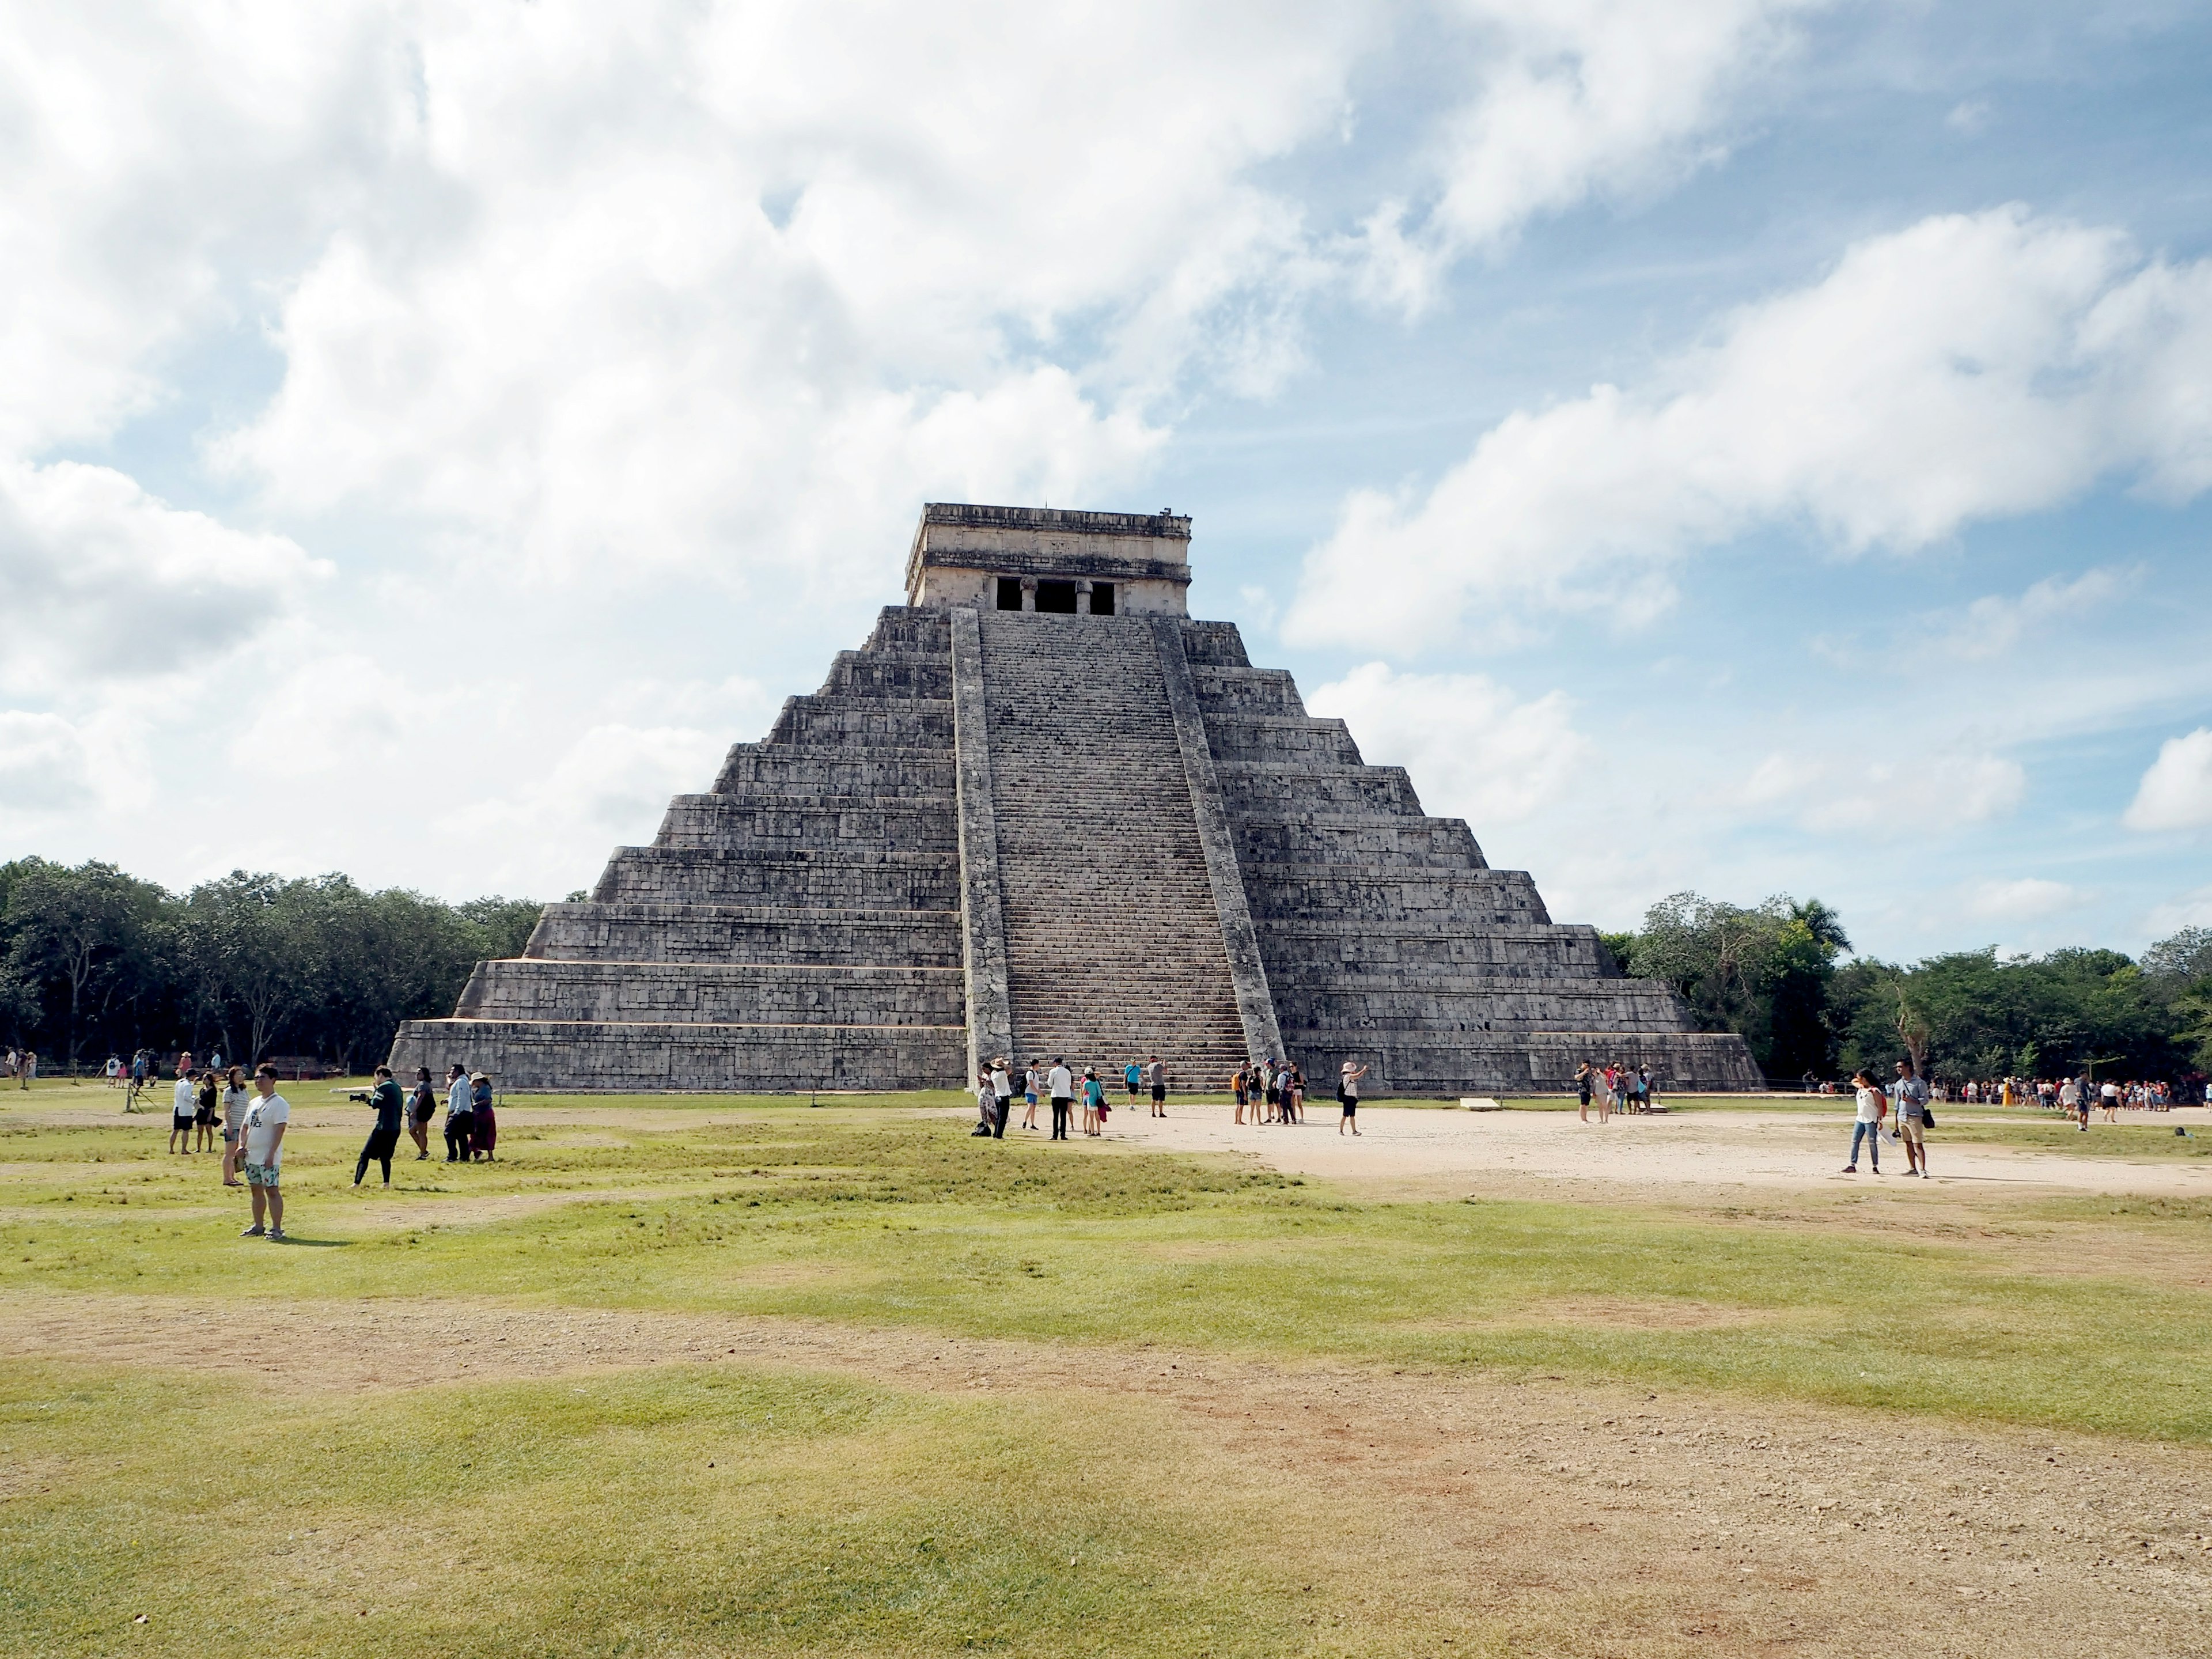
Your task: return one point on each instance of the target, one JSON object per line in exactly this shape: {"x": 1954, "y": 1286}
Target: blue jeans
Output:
{"x": 1870, "y": 1133}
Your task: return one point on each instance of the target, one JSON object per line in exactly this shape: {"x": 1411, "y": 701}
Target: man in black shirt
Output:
{"x": 384, "y": 1139}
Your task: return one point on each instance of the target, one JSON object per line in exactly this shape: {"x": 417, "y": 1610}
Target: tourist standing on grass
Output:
{"x": 1867, "y": 1125}
{"x": 182, "y": 1105}
{"x": 422, "y": 1107}
{"x": 1347, "y": 1095}
{"x": 460, "y": 1113}
{"x": 1909, "y": 1094}
{"x": 233, "y": 1114}
{"x": 389, "y": 1105}
{"x": 262, "y": 1134}
{"x": 26, "y": 1067}
{"x": 208, "y": 1098}
{"x": 1002, "y": 1085}
{"x": 987, "y": 1105}
{"x": 1156, "y": 1073}
{"x": 485, "y": 1129}
{"x": 1060, "y": 1084}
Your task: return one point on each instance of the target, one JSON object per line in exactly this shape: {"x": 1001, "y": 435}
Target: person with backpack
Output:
{"x": 422, "y": 1107}
{"x": 1347, "y": 1095}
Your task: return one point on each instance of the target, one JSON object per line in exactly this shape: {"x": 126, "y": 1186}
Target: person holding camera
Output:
{"x": 384, "y": 1138}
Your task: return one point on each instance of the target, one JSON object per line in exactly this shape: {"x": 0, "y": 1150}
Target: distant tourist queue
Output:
{"x": 1265, "y": 1091}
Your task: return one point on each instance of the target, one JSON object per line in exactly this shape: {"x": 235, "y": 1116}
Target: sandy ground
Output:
{"x": 1587, "y": 1519}
{"x": 1437, "y": 1153}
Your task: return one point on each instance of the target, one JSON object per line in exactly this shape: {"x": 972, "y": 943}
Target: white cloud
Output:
{"x": 1906, "y": 795}
{"x": 101, "y": 582}
{"x": 1474, "y": 749}
{"x": 2028, "y": 899}
{"x": 2190, "y": 909}
{"x": 2176, "y": 791}
{"x": 1573, "y": 98}
{"x": 1967, "y": 367}
{"x": 1993, "y": 625}
{"x": 45, "y": 765}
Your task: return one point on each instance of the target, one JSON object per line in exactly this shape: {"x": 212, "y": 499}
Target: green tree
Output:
{"x": 1762, "y": 973}
{"x": 84, "y": 940}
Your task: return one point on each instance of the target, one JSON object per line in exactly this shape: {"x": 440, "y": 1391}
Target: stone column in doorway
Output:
{"x": 1083, "y": 599}
{"x": 1028, "y": 592}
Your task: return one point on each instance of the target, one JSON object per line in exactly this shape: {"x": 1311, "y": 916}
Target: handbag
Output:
{"x": 1928, "y": 1117}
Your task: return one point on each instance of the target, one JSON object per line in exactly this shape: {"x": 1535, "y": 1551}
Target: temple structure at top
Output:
{"x": 1042, "y": 811}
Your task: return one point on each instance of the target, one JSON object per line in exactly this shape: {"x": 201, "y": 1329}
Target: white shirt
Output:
{"x": 233, "y": 1104}
{"x": 458, "y": 1098}
{"x": 261, "y": 1118}
{"x": 1001, "y": 1085}
{"x": 1869, "y": 1112}
{"x": 185, "y": 1107}
{"x": 1061, "y": 1083}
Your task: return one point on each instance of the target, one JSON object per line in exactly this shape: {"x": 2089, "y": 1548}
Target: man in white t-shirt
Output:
{"x": 181, "y": 1111}
{"x": 1060, "y": 1082}
{"x": 262, "y": 1136}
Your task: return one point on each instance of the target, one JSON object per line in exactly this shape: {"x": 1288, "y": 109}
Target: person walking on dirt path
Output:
{"x": 1873, "y": 1103}
{"x": 1910, "y": 1096}
{"x": 1059, "y": 1085}
{"x": 234, "y": 1097}
{"x": 390, "y": 1106}
{"x": 1132, "y": 1080}
{"x": 1347, "y": 1095}
{"x": 1156, "y": 1073}
{"x": 182, "y": 1106}
{"x": 460, "y": 1111}
{"x": 422, "y": 1107}
{"x": 262, "y": 1134}
{"x": 1032, "y": 1086}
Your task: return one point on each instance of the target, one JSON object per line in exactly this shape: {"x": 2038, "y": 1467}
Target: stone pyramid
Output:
{"x": 1042, "y": 812}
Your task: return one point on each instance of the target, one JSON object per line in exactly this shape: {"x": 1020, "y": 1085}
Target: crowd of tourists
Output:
{"x": 23, "y": 1066}
{"x": 1615, "y": 1088}
{"x": 1265, "y": 1090}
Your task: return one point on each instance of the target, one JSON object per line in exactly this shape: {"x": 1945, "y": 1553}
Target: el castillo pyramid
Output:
{"x": 1042, "y": 812}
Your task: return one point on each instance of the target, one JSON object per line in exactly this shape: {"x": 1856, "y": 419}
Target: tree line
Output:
{"x": 1776, "y": 973}
{"x": 94, "y": 962}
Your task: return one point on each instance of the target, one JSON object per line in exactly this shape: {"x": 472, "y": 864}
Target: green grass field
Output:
{"x": 556, "y": 1516}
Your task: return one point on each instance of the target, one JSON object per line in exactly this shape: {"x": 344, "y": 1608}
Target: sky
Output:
{"x": 1748, "y": 447}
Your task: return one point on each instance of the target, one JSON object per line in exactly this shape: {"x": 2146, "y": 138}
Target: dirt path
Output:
{"x": 1430, "y": 1153}
{"x": 1591, "y": 1520}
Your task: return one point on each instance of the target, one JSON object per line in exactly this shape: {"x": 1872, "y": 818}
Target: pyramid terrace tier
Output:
{"x": 1476, "y": 898}
{"x": 874, "y": 724}
{"x": 658, "y": 933}
{"x": 1372, "y": 841}
{"x": 840, "y": 772}
{"x": 858, "y": 879}
{"x": 646, "y": 1057}
{"x": 1271, "y": 787}
{"x": 1329, "y": 951}
{"x": 718, "y": 993}
{"x": 760, "y": 822}
{"x": 1481, "y": 1003}
{"x": 1424, "y": 1065}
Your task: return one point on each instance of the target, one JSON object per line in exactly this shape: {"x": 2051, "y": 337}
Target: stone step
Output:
{"x": 1099, "y": 859}
{"x": 866, "y": 724}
